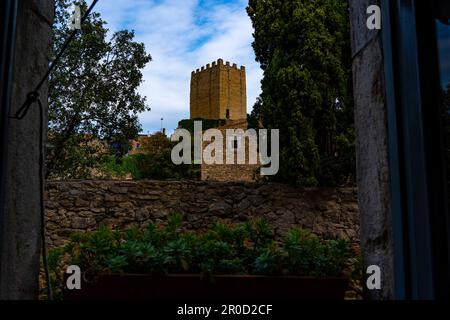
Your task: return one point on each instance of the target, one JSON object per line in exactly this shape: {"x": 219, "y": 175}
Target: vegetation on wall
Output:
{"x": 304, "y": 49}
{"x": 188, "y": 124}
{"x": 93, "y": 95}
{"x": 153, "y": 161}
{"x": 158, "y": 166}
{"x": 246, "y": 248}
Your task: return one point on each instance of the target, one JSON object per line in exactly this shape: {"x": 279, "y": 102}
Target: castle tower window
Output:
{"x": 228, "y": 114}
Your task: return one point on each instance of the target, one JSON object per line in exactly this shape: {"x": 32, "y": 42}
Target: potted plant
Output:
{"x": 226, "y": 262}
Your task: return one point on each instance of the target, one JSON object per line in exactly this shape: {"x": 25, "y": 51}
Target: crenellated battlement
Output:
{"x": 218, "y": 91}
{"x": 218, "y": 64}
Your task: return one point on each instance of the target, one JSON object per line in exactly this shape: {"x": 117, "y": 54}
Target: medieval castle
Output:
{"x": 219, "y": 92}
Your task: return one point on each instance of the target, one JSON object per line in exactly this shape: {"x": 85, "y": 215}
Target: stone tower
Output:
{"x": 219, "y": 91}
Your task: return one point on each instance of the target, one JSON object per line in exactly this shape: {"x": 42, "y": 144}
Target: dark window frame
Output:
{"x": 8, "y": 13}
{"x": 419, "y": 201}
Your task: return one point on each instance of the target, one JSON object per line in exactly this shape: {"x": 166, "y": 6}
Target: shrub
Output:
{"x": 247, "y": 248}
{"x": 158, "y": 166}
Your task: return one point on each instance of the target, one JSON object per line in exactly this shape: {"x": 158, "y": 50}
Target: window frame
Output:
{"x": 8, "y": 14}
{"x": 419, "y": 201}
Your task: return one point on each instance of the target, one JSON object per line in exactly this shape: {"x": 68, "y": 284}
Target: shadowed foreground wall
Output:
{"x": 21, "y": 237}
{"x": 86, "y": 205}
{"x": 371, "y": 147}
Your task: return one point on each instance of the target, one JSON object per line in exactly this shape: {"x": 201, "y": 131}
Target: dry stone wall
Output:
{"x": 87, "y": 205}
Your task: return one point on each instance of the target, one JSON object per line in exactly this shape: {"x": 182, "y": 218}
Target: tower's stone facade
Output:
{"x": 219, "y": 91}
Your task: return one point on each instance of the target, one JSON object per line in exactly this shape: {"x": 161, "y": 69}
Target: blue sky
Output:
{"x": 181, "y": 36}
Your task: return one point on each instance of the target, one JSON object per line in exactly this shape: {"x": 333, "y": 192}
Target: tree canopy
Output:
{"x": 304, "y": 49}
{"x": 94, "y": 100}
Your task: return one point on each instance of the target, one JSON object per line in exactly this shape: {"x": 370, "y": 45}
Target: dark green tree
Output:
{"x": 304, "y": 49}
{"x": 93, "y": 99}
{"x": 254, "y": 119}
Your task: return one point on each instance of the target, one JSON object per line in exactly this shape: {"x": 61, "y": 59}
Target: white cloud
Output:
{"x": 182, "y": 36}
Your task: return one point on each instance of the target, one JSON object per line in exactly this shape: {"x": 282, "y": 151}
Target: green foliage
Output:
{"x": 268, "y": 261}
{"x": 154, "y": 162}
{"x": 247, "y": 248}
{"x": 156, "y": 166}
{"x": 120, "y": 167}
{"x": 304, "y": 49}
{"x": 254, "y": 119}
{"x": 93, "y": 95}
{"x": 311, "y": 254}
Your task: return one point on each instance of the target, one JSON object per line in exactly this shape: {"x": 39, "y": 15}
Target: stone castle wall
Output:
{"x": 86, "y": 205}
{"x": 231, "y": 172}
{"x": 217, "y": 88}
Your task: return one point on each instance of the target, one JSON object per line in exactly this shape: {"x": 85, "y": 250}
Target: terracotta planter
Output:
{"x": 218, "y": 288}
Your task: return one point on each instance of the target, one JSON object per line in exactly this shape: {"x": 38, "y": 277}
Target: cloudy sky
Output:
{"x": 181, "y": 36}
